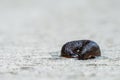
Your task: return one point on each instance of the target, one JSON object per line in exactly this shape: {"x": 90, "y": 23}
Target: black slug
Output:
{"x": 81, "y": 49}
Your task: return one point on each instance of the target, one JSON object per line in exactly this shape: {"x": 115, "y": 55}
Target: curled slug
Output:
{"x": 81, "y": 49}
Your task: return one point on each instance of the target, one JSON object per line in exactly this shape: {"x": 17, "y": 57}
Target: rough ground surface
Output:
{"x": 32, "y": 33}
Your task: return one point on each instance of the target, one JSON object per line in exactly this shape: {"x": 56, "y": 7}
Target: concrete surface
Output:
{"x": 32, "y": 33}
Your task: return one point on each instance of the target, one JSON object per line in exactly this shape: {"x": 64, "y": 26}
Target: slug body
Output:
{"x": 81, "y": 49}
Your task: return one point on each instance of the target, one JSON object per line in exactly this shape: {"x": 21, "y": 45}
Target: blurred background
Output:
{"x": 32, "y": 33}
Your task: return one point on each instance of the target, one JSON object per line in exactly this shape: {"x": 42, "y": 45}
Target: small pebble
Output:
{"x": 81, "y": 49}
